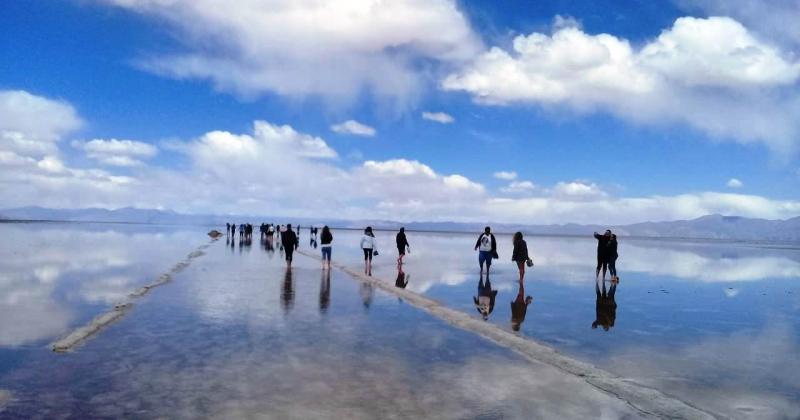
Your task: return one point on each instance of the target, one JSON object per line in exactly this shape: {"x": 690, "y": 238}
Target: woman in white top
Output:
{"x": 370, "y": 247}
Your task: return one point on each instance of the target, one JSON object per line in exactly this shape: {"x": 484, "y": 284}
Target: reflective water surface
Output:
{"x": 237, "y": 335}
{"x": 717, "y": 324}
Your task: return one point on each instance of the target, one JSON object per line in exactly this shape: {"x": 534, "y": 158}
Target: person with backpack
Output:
{"x": 487, "y": 248}
{"x": 325, "y": 240}
{"x": 370, "y": 247}
{"x": 290, "y": 243}
{"x": 402, "y": 245}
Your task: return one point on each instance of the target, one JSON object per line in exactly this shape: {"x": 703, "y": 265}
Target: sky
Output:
{"x": 531, "y": 112}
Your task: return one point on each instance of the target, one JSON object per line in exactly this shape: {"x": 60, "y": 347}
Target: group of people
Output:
{"x": 607, "y": 255}
{"x": 245, "y": 230}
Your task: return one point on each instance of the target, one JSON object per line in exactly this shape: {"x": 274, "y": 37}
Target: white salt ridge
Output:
{"x": 649, "y": 401}
{"x": 101, "y": 321}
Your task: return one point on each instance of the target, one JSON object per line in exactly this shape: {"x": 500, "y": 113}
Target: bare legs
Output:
{"x": 521, "y": 266}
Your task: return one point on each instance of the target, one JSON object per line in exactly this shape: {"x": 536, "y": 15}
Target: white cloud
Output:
{"x": 30, "y": 125}
{"x": 117, "y": 152}
{"x": 518, "y": 187}
{"x": 333, "y": 49}
{"x": 274, "y": 169}
{"x": 711, "y": 74}
{"x": 506, "y": 175}
{"x": 439, "y": 117}
{"x": 734, "y": 183}
{"x": 578, "y": 189}
{"x": 353, "y": 127}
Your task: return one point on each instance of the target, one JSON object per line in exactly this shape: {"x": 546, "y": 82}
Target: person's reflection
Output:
{"x": 287, "y": 292}
{"x": 519, "y": 307}
{"x": 268, "y": 245}
{"x": 484, "y": 302}
{"x": 325, "y": 291}
{"x": 606, "y": 306}
{"x": 366, "y": 294}
{"x": 402, "y": 278}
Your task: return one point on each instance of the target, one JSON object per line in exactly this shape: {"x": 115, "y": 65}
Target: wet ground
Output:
{"x": 237, "y": 335}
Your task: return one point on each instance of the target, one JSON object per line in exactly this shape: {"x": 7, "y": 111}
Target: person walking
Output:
{"x": 402, "y": 245}
{"x": 227, "y": 228}
{"x": 326, "y": 240}
{"x": 602, "y": 252}
{"x": 520, "y": 255}
{"x": 370, "y": 247}
{"x": 233, "y": 231}
{"x": 487, "y": 248}
{"x": 289, "y": 241}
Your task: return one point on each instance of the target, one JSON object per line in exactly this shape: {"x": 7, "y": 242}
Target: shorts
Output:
{"x": 401, "y": 250}
{"x": 485, "y": 256}
{"x": 289, "y": 251}
{"x": 326, "y": 253}
{"x": 367, "y": 254}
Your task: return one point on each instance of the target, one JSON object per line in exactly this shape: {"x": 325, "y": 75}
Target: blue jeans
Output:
{"x": 326, "y": 253}
{"x": 485, "y": 256}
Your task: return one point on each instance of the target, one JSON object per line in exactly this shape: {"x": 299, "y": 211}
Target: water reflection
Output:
{"x": 605, "y": 305}
{"x": 402, "y": 278}
{"x": 366, "y": 292}
{"x": 519, "y": 307}
{"x": 325, "y": 291}
{"x": 484, "y": 302}
{"x": 287, "y": 292}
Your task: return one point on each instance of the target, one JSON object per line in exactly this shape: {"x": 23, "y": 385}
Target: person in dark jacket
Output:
{"x": 289, "y": 241}
{"x": 602, "y": 252}
{"x": 484, "y": 302}
{"x": 402, "y": 245}
{"x": 326, "y": 239}
{"x": 487, "y": 248}
{"x": 612, "y": 258}
{"x": 520, "y": 254}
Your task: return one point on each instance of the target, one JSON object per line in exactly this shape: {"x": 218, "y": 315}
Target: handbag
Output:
{"x": 529, "y": 262}
{"x": 375, "y": 252}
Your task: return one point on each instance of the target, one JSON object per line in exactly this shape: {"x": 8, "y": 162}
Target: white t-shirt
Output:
{"x": 368, "y": 242}
{"x": 486, "y": 242}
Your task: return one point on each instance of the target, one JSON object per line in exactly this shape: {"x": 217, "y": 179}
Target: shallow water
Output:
{"x": 236, "y": 335}
{"x": 715, "y": 324}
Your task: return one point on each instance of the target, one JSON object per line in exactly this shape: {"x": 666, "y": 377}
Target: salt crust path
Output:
{"x": 101, "y": 321}
{"x": 648, "y": 401}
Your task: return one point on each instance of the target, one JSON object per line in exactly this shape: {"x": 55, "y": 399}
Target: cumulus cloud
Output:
{"x": 353, "y": 127}
{"x": 30, "y": 125}
{"x": 439, "y": 117}
{"x": 117, "y": 152}
{"x": 711, "y": 74}
{"x": 518, "y": 187}
{"x": 276, "y": 170}
{"x": 296, "y": 48}
{"x": 506, "y": 175}
{"x": 734, "y": 183}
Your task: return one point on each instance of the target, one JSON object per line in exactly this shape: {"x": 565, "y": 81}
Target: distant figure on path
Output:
{"x": 290, "y": 243}
{"x": 241, "y": 231}
{"x": 519, "y": 307}
{"x": 612, "y": 258}
{"x": 402, "y": 245}
{"x": 370, "y": 247}
{"x": 233, "y": 231}
{"x": 602, "y": 252}
{"x": 487, "y": 248}
{"x": 227, "y": 228}
{"x": 605, "y": 306}
{"x": 520, "y": 255}
{"x": 326, "y": 241}
{"x": 484, "y": 302}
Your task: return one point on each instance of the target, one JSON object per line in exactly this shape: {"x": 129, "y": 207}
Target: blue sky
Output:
{"x": 652, "y": 122}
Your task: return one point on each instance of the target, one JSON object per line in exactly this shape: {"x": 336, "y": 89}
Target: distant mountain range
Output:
{"x": 706, "y": 227}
